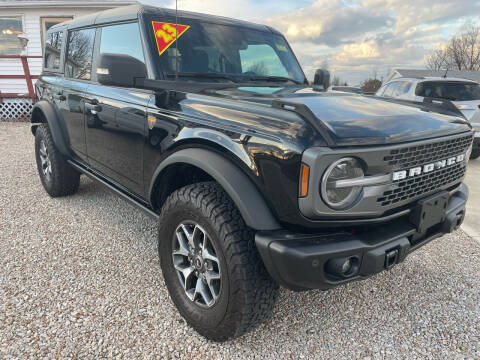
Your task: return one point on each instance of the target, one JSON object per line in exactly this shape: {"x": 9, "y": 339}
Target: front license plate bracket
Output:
{"x": 430, "y": 211}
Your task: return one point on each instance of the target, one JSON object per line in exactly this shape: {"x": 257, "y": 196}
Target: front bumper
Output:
{"x": 301, "y": 261}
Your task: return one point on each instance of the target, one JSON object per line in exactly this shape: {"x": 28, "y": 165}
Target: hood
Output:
{"x": 353, "y": 119}
{"x": 468, "y": 108}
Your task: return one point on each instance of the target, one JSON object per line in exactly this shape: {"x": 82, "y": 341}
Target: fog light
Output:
{"x": 342, "y": 266}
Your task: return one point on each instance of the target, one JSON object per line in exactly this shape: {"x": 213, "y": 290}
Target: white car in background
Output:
{"x": 464, "y": 94}
{"x": 475, "y": 121}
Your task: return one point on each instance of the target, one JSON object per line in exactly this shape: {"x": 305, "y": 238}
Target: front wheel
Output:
{"x": 212, "y": 269}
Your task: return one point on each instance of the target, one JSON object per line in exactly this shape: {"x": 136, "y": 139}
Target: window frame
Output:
{"x": 380, "y": 91}
{"x": 22, "y": 17}
{"x": 66, "y": 46}
{"x": 97, "y": 44}
{"x": 160, "y": 72}
{"x": 44, "y": 31}
{"x": 61, "y": 67}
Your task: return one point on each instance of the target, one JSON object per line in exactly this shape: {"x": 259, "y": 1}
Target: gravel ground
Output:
{"x": 80, "y": 279}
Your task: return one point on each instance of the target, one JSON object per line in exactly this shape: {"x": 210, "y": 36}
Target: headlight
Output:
{"x": 335, "y": 190}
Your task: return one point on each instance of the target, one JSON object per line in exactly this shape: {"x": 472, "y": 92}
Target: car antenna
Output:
{"x": 176, "y": 40}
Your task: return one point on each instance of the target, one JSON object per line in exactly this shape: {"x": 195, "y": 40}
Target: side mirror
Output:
{"x": 119, "y": 70}
{"x": 321, "y": 81}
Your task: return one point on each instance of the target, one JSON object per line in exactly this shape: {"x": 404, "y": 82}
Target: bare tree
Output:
{"x": 462, "y": 52}
{"x": 370, "y": 86}
{"x": 437, "y": 60}
{"x": 471, "y": 47}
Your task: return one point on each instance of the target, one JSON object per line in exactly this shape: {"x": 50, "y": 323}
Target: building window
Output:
{"x": 48, "y": 22}
{"x": 10, "y": 28}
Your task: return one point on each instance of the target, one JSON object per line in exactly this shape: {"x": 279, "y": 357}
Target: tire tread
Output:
{"x": 252, "y": 290}
{"x": 66, "y": 179}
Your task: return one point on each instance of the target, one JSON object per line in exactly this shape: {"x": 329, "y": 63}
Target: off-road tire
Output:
{"x": 248, "y": 293}
{"x": 63, "y": 180}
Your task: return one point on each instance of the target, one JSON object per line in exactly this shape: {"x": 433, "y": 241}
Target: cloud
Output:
{"x": 362, "y": 35}
{"x": 410, "y": 13}
{"x": 328, "y": 22}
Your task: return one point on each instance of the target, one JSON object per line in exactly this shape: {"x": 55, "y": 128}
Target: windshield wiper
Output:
{"x": 204, "y": 76}
{"x": 275, "y": 78}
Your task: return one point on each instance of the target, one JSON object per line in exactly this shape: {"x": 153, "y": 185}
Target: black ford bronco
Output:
{"x": 256, "y": 178}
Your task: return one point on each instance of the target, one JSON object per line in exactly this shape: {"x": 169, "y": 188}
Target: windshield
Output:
{"x": 455, "y": 91}
{"x": 215, "y": 52}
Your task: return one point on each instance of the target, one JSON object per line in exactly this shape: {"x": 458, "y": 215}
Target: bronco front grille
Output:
{"x": 423, "y": 154}
{"x": 422, "y": 184}
{"x": 409, "y": 157}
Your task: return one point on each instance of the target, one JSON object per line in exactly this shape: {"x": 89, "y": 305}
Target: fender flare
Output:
{"x": 56, "y": 125}
{"x": 238, "y": 186}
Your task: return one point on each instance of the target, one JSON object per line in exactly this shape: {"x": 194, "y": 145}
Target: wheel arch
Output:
{"x": 212, "y": 166}
{"x": 44, "y": 112}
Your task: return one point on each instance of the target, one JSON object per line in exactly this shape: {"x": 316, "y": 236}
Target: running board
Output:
{"x": 114, "y": 189}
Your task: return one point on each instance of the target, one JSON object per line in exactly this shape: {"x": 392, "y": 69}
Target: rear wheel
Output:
{"x": 211, "y": 266}
{"x": 57, "y": 176}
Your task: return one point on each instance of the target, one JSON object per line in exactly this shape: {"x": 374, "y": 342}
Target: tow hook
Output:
{"x": 391, "y": 258}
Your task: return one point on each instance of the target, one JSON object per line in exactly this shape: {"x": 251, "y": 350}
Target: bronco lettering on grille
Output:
{"x": 418, "y": 170}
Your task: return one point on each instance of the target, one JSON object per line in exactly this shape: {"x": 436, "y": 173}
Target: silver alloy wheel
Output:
{"x": 196, "y": 263}
{"x": 45, "y": 161}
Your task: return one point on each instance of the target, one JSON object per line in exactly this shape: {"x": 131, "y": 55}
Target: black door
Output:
{"x": 69, "y": 97}
{"x": 69, "y": 100}
{"x": 115, "y": 114}
{"x": 116, "y": 125}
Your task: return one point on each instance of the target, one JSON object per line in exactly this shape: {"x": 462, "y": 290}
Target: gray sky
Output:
{"x": 355, "y": 37}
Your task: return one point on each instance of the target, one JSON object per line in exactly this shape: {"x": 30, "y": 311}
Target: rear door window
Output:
{"x": 454, "y": 91}
{"x": 53, "y": 49}
{"x": 78, "y": 63}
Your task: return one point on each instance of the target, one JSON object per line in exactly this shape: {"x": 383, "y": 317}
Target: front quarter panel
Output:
{"x": 265, "y": 143}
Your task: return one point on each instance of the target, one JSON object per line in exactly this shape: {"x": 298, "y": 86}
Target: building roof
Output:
{"x": 64, "y": 3}
{"x": 459, "y": 74}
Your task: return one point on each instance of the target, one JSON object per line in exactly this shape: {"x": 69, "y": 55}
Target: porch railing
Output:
{"x": 26, "y": 75}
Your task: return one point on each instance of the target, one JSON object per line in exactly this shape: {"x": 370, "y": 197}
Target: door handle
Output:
{"x": 93, "y": 107}
{"x": 59, "y": 96}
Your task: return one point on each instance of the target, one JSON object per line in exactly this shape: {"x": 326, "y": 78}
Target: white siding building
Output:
{"x": 32, "y": 18}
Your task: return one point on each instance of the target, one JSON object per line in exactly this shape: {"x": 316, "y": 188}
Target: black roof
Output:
{"x": 125, "y": 13}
